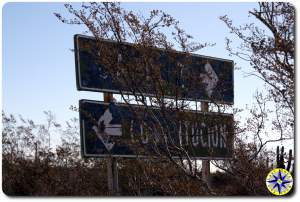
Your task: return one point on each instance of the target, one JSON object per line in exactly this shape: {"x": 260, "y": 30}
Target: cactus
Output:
{"x": 280, "y": 157}
{"x": 280, "y": 160}
{"x": 288, "y": 167}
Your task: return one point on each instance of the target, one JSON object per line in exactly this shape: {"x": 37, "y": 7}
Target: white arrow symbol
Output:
{"x": 210, "y": 79}
{"x": 105, "y": 129}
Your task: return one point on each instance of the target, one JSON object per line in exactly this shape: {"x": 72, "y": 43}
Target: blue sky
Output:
{"x": 38, "y": 70}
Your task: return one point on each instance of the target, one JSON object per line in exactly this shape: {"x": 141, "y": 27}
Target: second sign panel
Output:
{"x": 131, "y": 131}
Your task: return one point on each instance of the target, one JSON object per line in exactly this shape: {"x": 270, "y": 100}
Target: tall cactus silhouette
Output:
{"x": 280, "y": 160}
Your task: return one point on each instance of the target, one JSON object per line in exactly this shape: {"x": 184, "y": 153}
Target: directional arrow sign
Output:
{"x": 105, "y": 129}
{"x": 197, "y": 77}
{"x": 128, "y": 131}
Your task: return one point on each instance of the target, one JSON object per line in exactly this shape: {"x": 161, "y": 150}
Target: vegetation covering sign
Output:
{"x": 131, "y": 131}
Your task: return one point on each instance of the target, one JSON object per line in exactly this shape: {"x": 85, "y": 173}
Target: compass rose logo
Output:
{"x": 279, "y": 181}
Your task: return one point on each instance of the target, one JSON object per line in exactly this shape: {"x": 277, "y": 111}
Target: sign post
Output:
{"x": 112, "y": 176}
{"x": 112, "y": 163}
{"x": 205, "y": 170}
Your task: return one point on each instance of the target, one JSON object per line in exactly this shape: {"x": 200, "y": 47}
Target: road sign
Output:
{"x": 197, "y": 77}
{"x": 128, "y": 131}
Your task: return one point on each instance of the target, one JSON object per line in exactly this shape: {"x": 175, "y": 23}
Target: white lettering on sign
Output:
{"x": 180, "y": 135}
{"x": 203, "y": 143}
{"x": 199, "y": 135}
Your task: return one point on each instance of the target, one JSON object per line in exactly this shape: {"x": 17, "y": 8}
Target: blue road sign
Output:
{"x": 196, "y": 77}
{"x": 131, "y": 131}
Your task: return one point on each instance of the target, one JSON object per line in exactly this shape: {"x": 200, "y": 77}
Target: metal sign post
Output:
{"x": 205, "y": 163}
{"x": 112, "y": 164}
{"x": 112, "y": 176}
